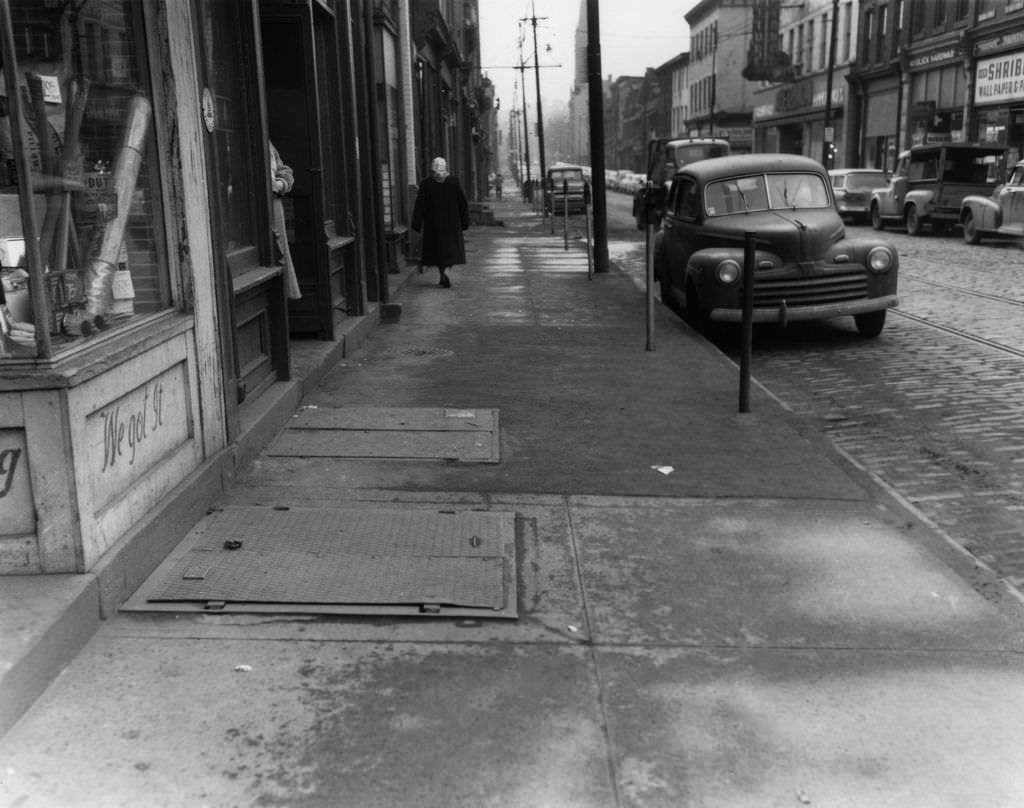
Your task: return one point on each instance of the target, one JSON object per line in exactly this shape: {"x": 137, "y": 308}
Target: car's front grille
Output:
{"x": 810, "y": 291}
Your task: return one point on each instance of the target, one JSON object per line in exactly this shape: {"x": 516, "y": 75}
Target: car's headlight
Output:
{"x": 728, "y": 272}
{"x": 881, "y": 259}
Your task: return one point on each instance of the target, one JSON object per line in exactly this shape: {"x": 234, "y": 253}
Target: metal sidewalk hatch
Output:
{"x": 340, "y": 561}
{"x": 467, "y": 435}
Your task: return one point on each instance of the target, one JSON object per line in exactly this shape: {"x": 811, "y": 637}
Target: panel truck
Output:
{"x": 930, "y": 183}
{"x": 665, "y": 156}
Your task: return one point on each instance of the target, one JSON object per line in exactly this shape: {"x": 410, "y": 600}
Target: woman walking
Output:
{"x": 441, "y": 214}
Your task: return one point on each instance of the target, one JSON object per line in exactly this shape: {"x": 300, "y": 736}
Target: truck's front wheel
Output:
{"x": 876, "y": 218}
{"x": 971, "y": 234}
{"x": 914, "y": 223}
{"x": 870, "y": 324}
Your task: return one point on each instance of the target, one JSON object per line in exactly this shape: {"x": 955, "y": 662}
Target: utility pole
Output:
{"x": 714, "y": 80}
{"x": 540, "y": 116}
{"x": 828, "y": 133}
{"x": 595, "y": 94}
{"x": 526, "y": 131}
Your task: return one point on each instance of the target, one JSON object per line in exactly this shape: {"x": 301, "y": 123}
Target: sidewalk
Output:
{"x": 715, "y": 609}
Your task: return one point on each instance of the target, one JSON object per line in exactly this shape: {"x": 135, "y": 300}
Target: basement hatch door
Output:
{"x": 358, "y": 561}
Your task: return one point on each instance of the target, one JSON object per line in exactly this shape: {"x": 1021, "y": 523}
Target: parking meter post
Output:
{"x": 650, "y": 219}
{"x": 565, "y": 213}
{"x": 749, "y": 261}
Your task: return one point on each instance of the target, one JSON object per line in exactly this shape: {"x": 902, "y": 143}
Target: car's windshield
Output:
{"x": 864, "y": 181}
{"x": 766, "y": 192}
{"x": 692, "y": 152}
{"x": 560, "y": 175}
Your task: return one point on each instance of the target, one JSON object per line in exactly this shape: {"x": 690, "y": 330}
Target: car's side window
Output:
{"x": 686, "y": 199}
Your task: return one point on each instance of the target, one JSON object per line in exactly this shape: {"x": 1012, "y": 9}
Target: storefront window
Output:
{"x": 76, "y": 117}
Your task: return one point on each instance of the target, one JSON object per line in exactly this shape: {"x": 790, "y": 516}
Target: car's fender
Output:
{"x": 888, "y": 202}
{"x": 701, "y": 265}
{"x": 987, "y": 214}
{"x": 922, "y": 198}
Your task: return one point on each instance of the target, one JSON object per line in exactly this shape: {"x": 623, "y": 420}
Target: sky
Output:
{"x": 635, "y": 35}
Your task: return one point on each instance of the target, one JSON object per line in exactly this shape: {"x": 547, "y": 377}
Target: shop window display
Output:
{"x": 76, "y": 117}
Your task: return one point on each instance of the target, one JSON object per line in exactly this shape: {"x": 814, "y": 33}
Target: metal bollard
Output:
{"x": 565, "y": 213}
{"x": 749, "y": 262}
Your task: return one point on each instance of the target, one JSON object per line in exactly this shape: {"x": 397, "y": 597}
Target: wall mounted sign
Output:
{"x": 132, "y": 434}
{"x": 999, "y": 78}
{"x": 17, "y": 514}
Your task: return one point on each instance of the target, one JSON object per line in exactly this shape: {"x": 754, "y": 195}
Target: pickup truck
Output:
{"x": 665, "y": 156}
{"x": 930, "y": 183}
{"x": 565, "y": 190}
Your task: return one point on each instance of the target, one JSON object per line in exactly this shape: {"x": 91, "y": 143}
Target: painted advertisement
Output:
{"x": 999, "y": 79}
{"x": 17, "y": 514}
{"x": 130, "y": 435}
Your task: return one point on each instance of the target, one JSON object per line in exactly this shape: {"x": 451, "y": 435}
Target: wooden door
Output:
{"x": 299, "y": 119}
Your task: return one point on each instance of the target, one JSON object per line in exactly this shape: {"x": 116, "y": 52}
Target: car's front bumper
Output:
{"x": 783, "y": 314}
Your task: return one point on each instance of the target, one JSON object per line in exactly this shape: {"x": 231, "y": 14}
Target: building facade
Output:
{"x": 721, "y": 99}
{"x": 807, "y": 113}
{"x": 148, "y": 329}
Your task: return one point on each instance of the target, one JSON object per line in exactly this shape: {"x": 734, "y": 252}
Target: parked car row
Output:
{"x": 625, "y": 181}
{"x": 939, "y": 187}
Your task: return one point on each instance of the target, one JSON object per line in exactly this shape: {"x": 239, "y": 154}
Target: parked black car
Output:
{"x": 805, "y": 267}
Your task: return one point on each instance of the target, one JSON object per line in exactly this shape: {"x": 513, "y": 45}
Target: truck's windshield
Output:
{"x": 691, "y": 152}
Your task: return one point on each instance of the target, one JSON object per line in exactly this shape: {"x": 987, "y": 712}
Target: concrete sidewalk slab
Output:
{"x": 335, "y": 724}
{"x": 843, "y": 729}
{"x": 774, "y": 574}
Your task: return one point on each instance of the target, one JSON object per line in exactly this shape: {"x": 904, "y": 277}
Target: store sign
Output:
{"x": 999, "y": 43}
{"x": 736, "y": 134}
{"x": 1000, "y": 78}
{"x": 17, "y": 514}
{"x": 799, "y": 98}
{"x": 131, "y": 434}
{"x": 933, "y": 58}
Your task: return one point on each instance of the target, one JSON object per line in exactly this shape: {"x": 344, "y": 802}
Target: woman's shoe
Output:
{"x": 445, "y": 282}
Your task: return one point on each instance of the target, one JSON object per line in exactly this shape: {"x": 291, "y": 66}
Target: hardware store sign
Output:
{"x": 1000, "y": 78}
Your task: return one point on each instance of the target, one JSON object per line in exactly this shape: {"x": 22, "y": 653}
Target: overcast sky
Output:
{"x": 635, "y": 35}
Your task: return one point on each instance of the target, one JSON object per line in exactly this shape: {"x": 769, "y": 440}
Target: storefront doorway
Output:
{"x": 791, "y": 139}
{"x": 304, "y": 102}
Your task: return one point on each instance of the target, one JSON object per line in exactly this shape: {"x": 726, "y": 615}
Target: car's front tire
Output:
{"x": 668, "y": 298}
{"x": 970, "y": 229}
{"x": 876, "y": 218}
{"x": 914, "y": 223}
{"x": 694, "y": 315}
{"x": 870, "y": 324}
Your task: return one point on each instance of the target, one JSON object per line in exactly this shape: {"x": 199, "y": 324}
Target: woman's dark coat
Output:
{"x": 441, "y": 213}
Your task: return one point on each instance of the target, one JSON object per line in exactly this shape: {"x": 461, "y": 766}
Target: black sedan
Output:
{"x": 805, "y": 268}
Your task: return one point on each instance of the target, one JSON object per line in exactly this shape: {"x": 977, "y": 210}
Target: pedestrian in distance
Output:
{"x": 498, "y": 182}
{"x": 441, "y": 214}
